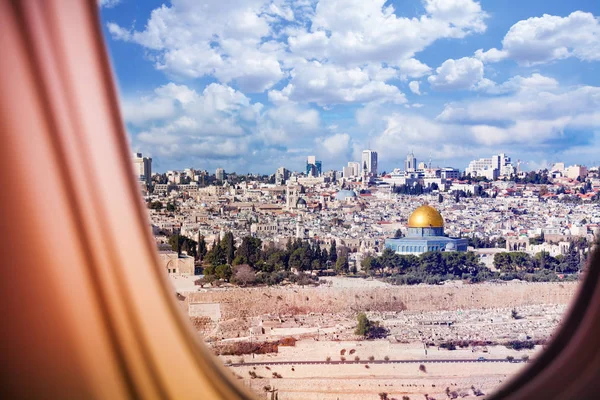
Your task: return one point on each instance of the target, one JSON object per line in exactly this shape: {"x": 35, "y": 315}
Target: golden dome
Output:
{"x": 425, "y": 217}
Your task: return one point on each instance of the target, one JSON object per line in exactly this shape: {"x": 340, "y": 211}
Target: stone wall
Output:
{"x": 252, "y": 302}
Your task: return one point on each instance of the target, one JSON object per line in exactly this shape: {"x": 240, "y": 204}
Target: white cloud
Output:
{"x": 518, "y": 83}
{"x": 108, "y": 3}
{"x": 532, "y": 115}
{"x": 326, "y": 84}
{"x": 414, "y": 87}
{"x": 254, "y": 45}
{"x": 492, "y": 55}
{"x": 413, "y": 68}
{"x": 192, "y": 39}
{"x": 461, "y": 74}
{"x": 358, "y": 31}
{"x": 336, "y": 145}
{"x": 400, "y": 133}
{"x": 543, "y": 39}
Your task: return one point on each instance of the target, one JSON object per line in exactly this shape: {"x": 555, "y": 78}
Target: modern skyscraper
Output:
{"x": 142, "y": 167}
{"x": 313, "y": 167}
{"x": 410, "y": 165}
{"x": 220, "y": 174}
{"x": 369, "y": 162}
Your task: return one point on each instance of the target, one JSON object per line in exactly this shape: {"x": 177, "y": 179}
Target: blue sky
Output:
{"x": 253, "y": 85}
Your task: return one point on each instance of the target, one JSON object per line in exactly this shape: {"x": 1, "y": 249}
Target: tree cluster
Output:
{"x": 485, "y": 243}
{"x": 429, "y": 267}
{"x": 249, "y": 263}
{"x": 570, "y": 262}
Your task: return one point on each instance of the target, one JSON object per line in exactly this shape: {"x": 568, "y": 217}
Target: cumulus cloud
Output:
{"x": 533, "y": 115}
{"x": 414, "y": 87}
{"x": 192, "y": 39}
{"x": 413, "y": 68}
{"x": 519, "y": 83}
{"x": 356, "y": 31}
{"x": 108, "y": 3}
{"x": 461, "y": 74}
{"x": 337, "y": 144}
{"x": 402, "y": 132}
{"x": 547, "y": 38}
{"x": 254, "y": 45}
{"x": 220, "y": 123}
{"x": 325, "y": 84}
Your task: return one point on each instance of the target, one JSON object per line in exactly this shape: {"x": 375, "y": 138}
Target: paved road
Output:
{"x": 429, "y": 361}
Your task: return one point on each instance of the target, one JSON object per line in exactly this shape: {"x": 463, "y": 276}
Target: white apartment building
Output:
{"x": 576, "y": 171}
{"x": 491, "y": 168}
{"x": 142, "y": 167}
{"x": 352, "y": 170}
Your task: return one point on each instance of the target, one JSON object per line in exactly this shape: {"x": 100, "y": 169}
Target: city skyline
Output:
{"x": 453, "y": 80}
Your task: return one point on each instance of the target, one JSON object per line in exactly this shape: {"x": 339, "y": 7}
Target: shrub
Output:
{"x": 288, "y": 341}
{"x": 357, "y": 358}
{"x": 520, "y": 344}
{"x": 253, "y": 375}
{"x": 328, "y": 359}
{"x": 510, "y": 358}
{"x": 276, "y": 375}
{"x": 342, "y": 352}
{"x": 525, "y": 358}
{"x": 352, "y": 351}
{"x": 448, "y": 346}
{"x": 371, "y": 358}
{"x": 342, "y": 358}
{"x": 386, "y": 358}
{"x": 422, "y": 368}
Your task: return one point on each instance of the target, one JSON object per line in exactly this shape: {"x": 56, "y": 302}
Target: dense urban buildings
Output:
{"x": 260, "y": 262}
{"x": 491, "y": 168}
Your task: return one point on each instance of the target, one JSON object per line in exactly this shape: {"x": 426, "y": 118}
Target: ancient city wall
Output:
{"x": 251, "y": 302}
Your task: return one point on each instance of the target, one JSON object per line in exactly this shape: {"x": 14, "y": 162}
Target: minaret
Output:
{"x": 299, "y": 228}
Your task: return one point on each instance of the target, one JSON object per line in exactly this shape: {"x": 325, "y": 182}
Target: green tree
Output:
{"x": 250, "y": 250}
{"x": 432, "y": 263}
{"x": 341, "y": 265}
{"x": 223, "y": 271}
{"x": 155, "y": 205}
{"x": 398, "y": 234}
{"x": 216, "y": 255}
{"x": 367, "y": 264}
{"x": 201, "y": 247}
{"x": 333, "y": 252}
{"x": 228, "y": 245}
{"x": 297, "y": 259}
{"x": 388, "y": 260}
{"x": 363, "y": 326}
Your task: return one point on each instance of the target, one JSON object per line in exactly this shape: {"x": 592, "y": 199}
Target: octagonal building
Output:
{"x": 425, "y": 233}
